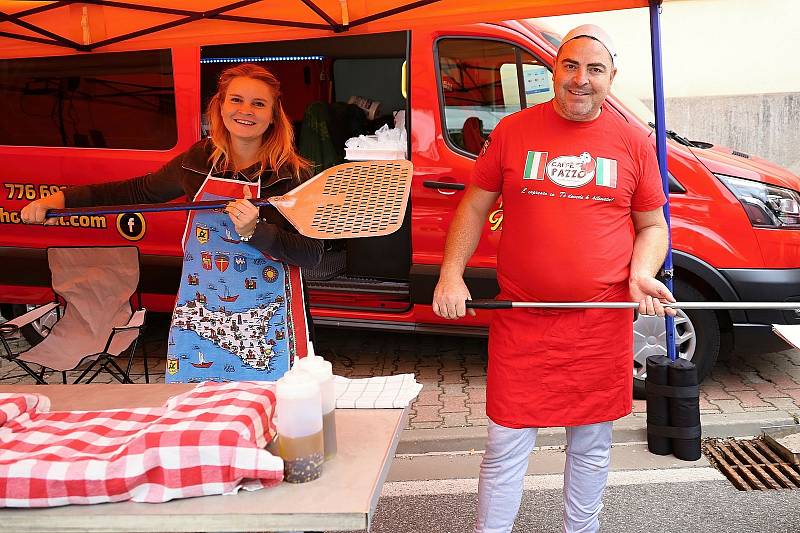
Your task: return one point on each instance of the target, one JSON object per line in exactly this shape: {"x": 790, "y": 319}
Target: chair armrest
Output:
{"x": 33, "y": 315}
{"x": 129, "y": 333}
{"x": 135, "y": 322}
{"x": 8, "y": 330}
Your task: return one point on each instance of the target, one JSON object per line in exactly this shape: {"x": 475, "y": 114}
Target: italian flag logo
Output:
{"x": 606, "y": 172}
{"x": 535, "y": 165}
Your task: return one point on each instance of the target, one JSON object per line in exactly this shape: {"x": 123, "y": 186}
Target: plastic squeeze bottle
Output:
{"x": 298, "y": 411}
{"x": 322, "y": 371}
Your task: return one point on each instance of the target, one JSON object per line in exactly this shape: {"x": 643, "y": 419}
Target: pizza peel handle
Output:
{"x": 363, "y": 199}
{"x": 506, "y": 304}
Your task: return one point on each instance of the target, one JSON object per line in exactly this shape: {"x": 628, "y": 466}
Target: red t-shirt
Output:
{"x": 568, "y": 191}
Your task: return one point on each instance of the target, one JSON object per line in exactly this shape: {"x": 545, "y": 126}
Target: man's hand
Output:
{"x": 449, "y": 297}
{"x": 651, "y": 293}
{"x": 462, "y": 238}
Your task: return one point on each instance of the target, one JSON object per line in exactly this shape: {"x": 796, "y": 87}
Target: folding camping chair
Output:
{"x": 94, "y": 285}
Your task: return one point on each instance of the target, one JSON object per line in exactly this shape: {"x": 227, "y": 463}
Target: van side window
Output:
{"x": 481, "y": 82}
{"x": 113, "y": 100}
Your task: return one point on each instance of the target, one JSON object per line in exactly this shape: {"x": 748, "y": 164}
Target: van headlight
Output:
{"x": 767, "y": 206}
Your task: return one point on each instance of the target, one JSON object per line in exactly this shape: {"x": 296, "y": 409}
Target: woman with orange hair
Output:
{"x": 240, "y": 312}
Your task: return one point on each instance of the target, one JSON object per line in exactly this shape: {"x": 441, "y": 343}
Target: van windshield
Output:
{"x": 632, "y": 103}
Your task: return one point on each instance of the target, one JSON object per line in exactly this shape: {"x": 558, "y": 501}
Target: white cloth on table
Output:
{"x": 789, "y": 333}
{"x": 380, "y": 392}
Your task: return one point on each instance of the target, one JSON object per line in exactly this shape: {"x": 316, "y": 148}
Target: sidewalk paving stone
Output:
{"x": 454, "y": 405}
{"x": 728, "y": 406}
{"x": 749, "y": 399}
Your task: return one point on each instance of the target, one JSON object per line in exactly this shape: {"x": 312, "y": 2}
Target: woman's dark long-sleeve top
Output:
{"x": 184, "y": 175}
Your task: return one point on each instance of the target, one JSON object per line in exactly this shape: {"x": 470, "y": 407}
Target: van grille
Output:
{"x": 751, "y": 464}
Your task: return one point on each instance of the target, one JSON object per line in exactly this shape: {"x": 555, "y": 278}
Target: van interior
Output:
{"x": 334, "y": 89}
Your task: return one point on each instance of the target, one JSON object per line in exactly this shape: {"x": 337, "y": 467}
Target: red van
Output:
{"x": 85, "y": 118}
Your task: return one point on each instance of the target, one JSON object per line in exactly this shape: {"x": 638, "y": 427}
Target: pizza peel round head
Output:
{"x": 352, "y": 200}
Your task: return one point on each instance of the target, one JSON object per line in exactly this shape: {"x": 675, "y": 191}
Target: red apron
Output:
{"x": 560, "y": 367}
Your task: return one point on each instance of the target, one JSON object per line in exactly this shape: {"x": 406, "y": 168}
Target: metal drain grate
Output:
{"x": 751, "y": 464}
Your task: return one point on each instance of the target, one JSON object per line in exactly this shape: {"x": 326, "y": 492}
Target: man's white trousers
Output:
{"x": 503, "y": 471}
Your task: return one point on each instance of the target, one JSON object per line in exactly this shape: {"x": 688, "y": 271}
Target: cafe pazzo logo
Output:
{"x": 571, "y": 171}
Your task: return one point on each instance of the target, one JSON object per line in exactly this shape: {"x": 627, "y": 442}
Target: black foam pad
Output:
{"x": 657, "y": 404}
{"x": 684, "y": 412}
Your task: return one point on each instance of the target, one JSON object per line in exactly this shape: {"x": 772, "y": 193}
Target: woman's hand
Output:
{"x": 243, "y": 214}
{"x": 34, "y": 212}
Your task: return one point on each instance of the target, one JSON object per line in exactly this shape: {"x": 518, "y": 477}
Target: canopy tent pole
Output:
{"x": 661, "y": 151}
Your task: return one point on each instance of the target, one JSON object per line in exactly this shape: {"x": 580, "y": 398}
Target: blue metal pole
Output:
{"x": 661, "y": 150}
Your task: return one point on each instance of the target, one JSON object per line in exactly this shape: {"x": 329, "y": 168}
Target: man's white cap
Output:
{"x": 595, "y": 32}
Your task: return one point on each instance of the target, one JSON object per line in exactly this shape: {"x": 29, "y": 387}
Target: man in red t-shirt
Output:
{"x": 582, "y": 221}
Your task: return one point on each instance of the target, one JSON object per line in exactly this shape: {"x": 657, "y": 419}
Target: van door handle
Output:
{"x": 444, "y": 185}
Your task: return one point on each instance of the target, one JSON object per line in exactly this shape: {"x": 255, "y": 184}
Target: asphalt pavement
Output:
{"x": 676, "y": 507}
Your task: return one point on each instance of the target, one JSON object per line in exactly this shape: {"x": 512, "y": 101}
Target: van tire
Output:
{"x": 701, "y": 328}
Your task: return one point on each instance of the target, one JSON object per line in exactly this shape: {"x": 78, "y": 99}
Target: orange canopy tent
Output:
{"x": 30, "y": 28}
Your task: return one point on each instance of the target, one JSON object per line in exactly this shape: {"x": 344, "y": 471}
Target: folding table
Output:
{"x": 344, "y": 498}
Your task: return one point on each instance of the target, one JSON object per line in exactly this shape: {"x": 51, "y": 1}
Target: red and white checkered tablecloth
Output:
{"x": 209, "y": 440}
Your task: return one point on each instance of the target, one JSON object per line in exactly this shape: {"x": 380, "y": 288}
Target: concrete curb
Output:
{"x": 632, "y": 428}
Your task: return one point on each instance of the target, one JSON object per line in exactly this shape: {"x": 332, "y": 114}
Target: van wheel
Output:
{"x": 697, "y": 337}
{"x": 37, "y": 330}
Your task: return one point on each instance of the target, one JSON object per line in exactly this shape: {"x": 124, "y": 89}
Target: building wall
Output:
{"x": 731, "y": 72}
{"x": 765, "y": 125}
